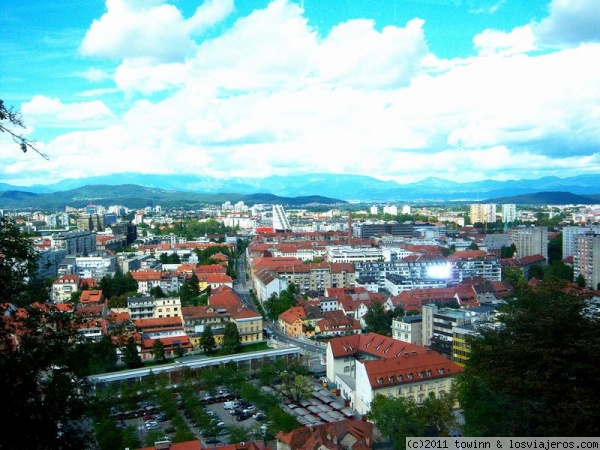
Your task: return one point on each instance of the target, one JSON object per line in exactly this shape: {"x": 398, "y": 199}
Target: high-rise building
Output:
{"x": 280, "y": 220}
{"x": 509, "y": 212}
{"x": 529, "y": 240}
{"x": 586, "y": 260}
{"x": 374, "y": 210}
{"x": 483, "y": 213}
{"x": 569, "y": 238}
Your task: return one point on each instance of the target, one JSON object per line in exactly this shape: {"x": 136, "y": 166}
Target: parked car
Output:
{"x": 221, "y": 424}
{"x": 241, "y": 417}
{"x": 212, "y": 440}
{"x": 259, "y": 416}
{"x": 236, "y": 412}
{"x": 249, "y": 409}
{"x": 231, "y": 405}
{"x": 223, "y": 432}
{"x": 160, "y": 417}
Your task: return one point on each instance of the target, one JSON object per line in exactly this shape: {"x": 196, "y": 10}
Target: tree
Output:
{"x": 207, "y": 340}
{"x": 540, "y": 366}
{"x": 43, "y": 380}
{"x": 158, "y": 350}
{"x": 377, "y": 320}
{"x": 157, "y": 292}
{"x": 131, "y": 357}
{"x": 536, "y": 271}
{"x": 295, "y": 386}
{"x": 513, "y": 276}
{"x": 400, "y": 417}
{"x": 18, "y": 265}
{"x": 396, "y": 418}
{"x": 9, "y": 118}
{"x": 231, "y": 339}
{"x": 194, "y": 284}
{"x": 581, "y": 282}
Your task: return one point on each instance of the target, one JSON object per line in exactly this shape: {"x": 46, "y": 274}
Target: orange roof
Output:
{"x": 372, "y": 344}
{"x": 409, "y": 368}
{"x": 94, "y": 296}
{"x": 293, "y": 314}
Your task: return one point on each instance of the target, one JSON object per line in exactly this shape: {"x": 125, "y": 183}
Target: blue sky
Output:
{"x": 399, "y": 90}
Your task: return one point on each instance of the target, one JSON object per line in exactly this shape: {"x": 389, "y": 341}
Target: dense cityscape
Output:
{"x": 371, "y": 309}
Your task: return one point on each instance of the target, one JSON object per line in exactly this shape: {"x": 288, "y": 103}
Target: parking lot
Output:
{"x": 220, "y": 409}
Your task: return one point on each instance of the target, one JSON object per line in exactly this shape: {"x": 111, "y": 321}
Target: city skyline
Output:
{"x": 400, "y": 90}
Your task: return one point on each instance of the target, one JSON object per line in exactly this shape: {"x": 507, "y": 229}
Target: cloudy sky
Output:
{"x": 399, "y": 90}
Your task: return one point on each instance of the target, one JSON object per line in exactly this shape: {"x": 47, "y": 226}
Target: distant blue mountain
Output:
{"x": 346, "y": 187}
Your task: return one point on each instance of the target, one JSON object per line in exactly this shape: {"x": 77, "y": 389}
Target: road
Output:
{"x": 243, "y": 291}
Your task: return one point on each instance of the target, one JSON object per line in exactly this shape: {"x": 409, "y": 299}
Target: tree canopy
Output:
{"x": 539, "y": 367}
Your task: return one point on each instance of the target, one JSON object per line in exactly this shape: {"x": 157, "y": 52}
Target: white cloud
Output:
{"x": 150, "y": 30}
{"x": 41, "y": 106}
{"x": 269, "y": 95}
{"x": 519, "y": 40}
{"x": 570, "y": 22}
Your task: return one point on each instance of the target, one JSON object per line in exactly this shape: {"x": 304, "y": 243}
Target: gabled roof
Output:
{"x": 372, "y": 344}
{"x": 293, "y": 314}
{"x": 158, "y": 322}
{"x": 91, "y": 296}
{"x": 326, "y": 436}
{"x": 410, "y": 367}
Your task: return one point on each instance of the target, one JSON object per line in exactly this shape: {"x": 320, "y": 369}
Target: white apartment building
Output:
{"x": 391, "y": 210}
{"x": 408, "y": 329}
{"x": 586, "y": 261}
{"x": 509, "y": 212}
{"x": 570, "y": 235}
{"x": 347, "y": 254}
{"x": 154, "y": 308}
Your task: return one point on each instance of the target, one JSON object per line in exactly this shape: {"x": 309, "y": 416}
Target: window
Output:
{"x": 346, "y": 369}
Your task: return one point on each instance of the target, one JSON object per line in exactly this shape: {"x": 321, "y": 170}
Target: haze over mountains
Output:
{"x": 319, "y": 188}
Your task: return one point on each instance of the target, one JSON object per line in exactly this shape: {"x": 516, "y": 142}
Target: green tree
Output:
{"x": 43, "y": 381}
{"x": 207, "y": 340}
{"x": 18, "y": 265}
{"x": 158, "y": 350}
{"x": 540, "y": 366}
{"x": 231, "y": 339}
{"x": 377, "y": 320}
{"x": 536, "y": 271}
{"x": 131, "y": 356}
{"x": 558, "y": 270}
{"x": 581, "y": 282}
{"x": 555, "y": 249}
{"x": 102, "y": 355}
{"x": 194, "y": 285}
{"x": 513, "y": 276}
{"x": 295, "y": 386}
{"x": 396, "y": 418}
{"x": 157, "y": 292}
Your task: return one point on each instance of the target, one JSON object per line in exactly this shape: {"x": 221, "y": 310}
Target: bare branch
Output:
{"x": 14, "y": 117}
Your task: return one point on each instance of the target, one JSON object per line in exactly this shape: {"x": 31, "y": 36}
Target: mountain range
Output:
{"x": 179, "y": 190}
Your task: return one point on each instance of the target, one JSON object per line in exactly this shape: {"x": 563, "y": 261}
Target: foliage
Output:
{"x": 539, "y": 367}
{"x": 276, "y": 304}
{"x": 377, "y": 319}
{"x": 101, "y": 356}
{"x": 295, "y": 386}
{"x": 171, "y": 258}
{"x": 43, "y": 382}
{"x": 231, "y": 339}
{"x": 207, "y": 340}
{"x": 157, "y": 292}
{"x": 558, "y": 270}
{"x": 536, "y": 271}
{"x": 158, "y": 350}
{"x": 508, "y": 251}
{"x": 118, "y": 284}
{"x": 555, "y": 249}
{"x": 131, "y": 356}
{"x": 513, "y": 276}
{"x": 18, "y": 265}
{"x": 399, "y": 417}
{"x": 473, "y": 246}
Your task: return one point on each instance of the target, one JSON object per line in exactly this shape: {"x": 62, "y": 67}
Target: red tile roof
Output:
{"x": 373, "y": 344}
{"x": 410, "y": 367}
